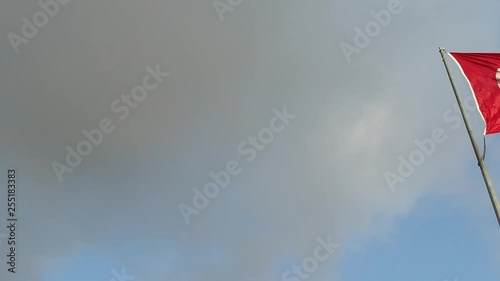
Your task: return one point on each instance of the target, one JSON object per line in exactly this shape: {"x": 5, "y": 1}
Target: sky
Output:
{"x": 260, "y": 94}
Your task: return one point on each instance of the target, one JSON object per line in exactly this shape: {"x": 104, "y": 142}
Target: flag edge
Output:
{"x": 472, "y": 91}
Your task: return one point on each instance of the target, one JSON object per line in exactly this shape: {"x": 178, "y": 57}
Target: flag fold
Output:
{"x": 482, "y": 72}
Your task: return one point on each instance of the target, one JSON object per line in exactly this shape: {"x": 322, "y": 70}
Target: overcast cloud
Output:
{"x": 323, "y": 175}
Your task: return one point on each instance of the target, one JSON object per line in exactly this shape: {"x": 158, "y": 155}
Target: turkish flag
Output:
{"x": 482, "y": 71}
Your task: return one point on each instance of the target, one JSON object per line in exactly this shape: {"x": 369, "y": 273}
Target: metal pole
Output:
{"x": 487, "y": 181}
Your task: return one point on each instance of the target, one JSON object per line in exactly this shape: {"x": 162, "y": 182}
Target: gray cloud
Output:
{"x": 323, "y": 175}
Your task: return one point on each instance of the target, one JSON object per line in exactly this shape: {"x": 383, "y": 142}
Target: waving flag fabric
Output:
{"x": 482, "y": 71}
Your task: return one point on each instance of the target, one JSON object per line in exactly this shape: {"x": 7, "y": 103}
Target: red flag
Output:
{"x": 482, "y": 71}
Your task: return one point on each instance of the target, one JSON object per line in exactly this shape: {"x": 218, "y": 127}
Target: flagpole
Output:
{"x": 487, "y": 180}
